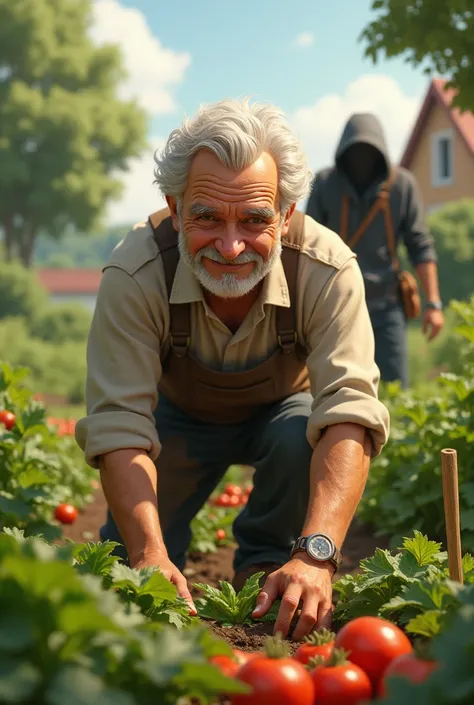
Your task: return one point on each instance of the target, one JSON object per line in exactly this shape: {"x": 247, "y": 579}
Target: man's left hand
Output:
{"x": 299, "y": 579}
{"x": 433, "y": 322}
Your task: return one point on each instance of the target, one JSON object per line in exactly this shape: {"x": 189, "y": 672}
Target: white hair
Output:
{"x": 237, "y": 133}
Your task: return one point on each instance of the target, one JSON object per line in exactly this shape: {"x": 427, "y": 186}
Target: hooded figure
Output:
{"x": 362, "y": 169}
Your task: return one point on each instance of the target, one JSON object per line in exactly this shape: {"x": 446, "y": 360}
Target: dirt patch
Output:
{"x": 247, "y": 637}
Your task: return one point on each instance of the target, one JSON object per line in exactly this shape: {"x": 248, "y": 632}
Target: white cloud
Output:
{"x": 153, "y": 69}
{"x": 305, "y": 39}
{"x": 319, "y": 126}
{"x": 140, "y": 196}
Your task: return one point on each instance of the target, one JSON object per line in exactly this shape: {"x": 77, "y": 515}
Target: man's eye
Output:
{"x": 255, "y": 221}
{"x": 207, "y": 217}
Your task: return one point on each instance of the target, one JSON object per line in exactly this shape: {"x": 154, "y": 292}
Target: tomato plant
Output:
{"x": 319, "y": 643}
{"x": 275, "y": 678}
{"x": 223, "y": 500}
{"x": 7, "y": 418}
{"x": 372, "y": 643}
{"x": 220, "y": 534}
{"x": 409, "y": 666}
{"x": 233, "y": 490}
{"x": 337, "y": 681}
{"x": 66, "y": 513}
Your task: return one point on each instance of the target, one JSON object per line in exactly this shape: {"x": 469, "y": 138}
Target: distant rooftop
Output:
{"x": 70, "y": 281}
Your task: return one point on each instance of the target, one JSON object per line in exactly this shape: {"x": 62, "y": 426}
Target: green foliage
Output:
{"x": 62, "y": 322}
{"x": 82, "y": 250}
{"x": 453, "y": 230}
{"x": 436, "y": 34}
{"x": 54, "y": 369}
{"x": 204, "y": 526}
{"x": 404, "y": 487}
{"x": 38, "y": 469}
{"x": 225, "y": 605}
{"x": 20, "y": 293}
{"x": 64, "y": 133}
{"x": 410, "y": 587}
{"x": 452, "y": 683}
{"x": 64, "y": 638}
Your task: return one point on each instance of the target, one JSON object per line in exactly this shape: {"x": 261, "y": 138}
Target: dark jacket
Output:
{"x": 324, "y": 205}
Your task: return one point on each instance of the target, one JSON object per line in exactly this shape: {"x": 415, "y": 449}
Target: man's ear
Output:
{"x": 286, "y": 222}
{"x": 173, "y": 206}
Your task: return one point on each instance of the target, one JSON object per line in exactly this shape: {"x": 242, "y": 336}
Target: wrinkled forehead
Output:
{"x": 210, "y": 178}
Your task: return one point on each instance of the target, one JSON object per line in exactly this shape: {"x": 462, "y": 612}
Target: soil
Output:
{"x": 211, "y": 568}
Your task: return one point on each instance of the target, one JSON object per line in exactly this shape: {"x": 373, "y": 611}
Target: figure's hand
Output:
{"x": 160, "y": 560}
{"x": 433, "y": 322}
{"x": 299, "y": 579}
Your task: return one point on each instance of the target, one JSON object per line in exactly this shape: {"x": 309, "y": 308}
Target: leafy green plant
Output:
{"x": 205, "y": 526}
{"x": 410, "y": 587}
{"x": 228, "y": 607}
{"x": 404, "y": 487}
{"x": 38, "y": 469}
{"x": 64, "y": 638}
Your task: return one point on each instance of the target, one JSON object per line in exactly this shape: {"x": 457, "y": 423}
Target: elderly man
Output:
{"x": 230, "y": 328}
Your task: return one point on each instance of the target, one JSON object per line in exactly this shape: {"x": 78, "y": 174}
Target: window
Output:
{"x": 442, "y": 158}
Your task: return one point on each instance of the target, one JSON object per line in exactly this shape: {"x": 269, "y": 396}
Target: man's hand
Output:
{"x": 433, "y": 322}
{"x": 160, "y": 560}
{"x": 299, "y": 579}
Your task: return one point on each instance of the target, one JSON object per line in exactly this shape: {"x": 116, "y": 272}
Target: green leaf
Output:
{"x": 11, "y": 506}
{"x": 424, "y": 551}
{"x": 16, "y": 633}
{"x": 377, "y": 569}
{"x": 168, "y": 653}
{"x": 428, "y": 624}
{"x": 33, "y": 476}
{"x": 18, "y": 680}
{"x": 159, "y": 587}
{"x": 79, "y": 686}
{"x": 96, "y": 558}
{"x": 204, "y": 681}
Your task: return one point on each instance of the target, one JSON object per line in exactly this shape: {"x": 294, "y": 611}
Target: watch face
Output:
{"x": 320, "y": 548}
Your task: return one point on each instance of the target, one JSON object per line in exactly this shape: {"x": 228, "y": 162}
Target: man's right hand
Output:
{"x": 157, "y": 559}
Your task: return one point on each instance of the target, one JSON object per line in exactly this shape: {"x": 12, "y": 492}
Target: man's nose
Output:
{"x": 230, "y": 244}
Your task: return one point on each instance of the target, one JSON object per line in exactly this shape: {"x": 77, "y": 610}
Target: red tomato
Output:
{"x": 346, "y": 684}
{"x": 372, "y": 644}
{"x": 244, "y": 656}
{"x": 223, "y": 500}
{"x": 7, "y": 418}
{"x": 220, "y": 534}
{"x": 243, "y": 500}
{"x": 305, "y": 652}
{"x": 408, "y": 666}
{"x": 66, "y": 513}
{"x": 233, "y": 490}
{"x": 226, "y": 664}
{"x": 234, "y": 501}
{"x": 275, "y": 681}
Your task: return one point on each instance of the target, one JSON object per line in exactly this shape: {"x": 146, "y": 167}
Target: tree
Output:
{"x": 21, "y": 294}
{"x": 64, "y": 133}
{"x": 437, "y": 34}
{"x": 62, "y": 322}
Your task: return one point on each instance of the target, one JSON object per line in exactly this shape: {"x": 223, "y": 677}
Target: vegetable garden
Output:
{"x": 78, "y": 627}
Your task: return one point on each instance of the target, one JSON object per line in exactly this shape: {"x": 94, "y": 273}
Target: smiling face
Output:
{"x": 230, "y": 223}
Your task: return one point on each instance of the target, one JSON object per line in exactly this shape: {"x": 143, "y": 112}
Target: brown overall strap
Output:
{"x": 286, "y": 317}
{"x": 380, "y": 204}
{"x": 166, "y": 238}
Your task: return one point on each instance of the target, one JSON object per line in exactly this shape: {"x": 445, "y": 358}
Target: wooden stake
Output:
{"x": 449, "y": 466}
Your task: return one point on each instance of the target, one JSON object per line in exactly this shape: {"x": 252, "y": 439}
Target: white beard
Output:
{"x": 229, "y": 285}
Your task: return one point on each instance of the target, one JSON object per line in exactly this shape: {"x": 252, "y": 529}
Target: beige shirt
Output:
{"x": 130, "y": 327}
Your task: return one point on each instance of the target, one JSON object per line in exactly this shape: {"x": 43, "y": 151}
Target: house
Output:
{"x": 71, "y": 285}
{"x": 440, "y": 150}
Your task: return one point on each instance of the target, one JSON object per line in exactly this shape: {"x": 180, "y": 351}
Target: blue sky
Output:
{"x": 183, "y": 53}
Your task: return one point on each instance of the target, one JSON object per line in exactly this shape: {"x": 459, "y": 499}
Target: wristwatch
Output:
{"x": 437, "y": 305}
{"x": 319, "y": 547}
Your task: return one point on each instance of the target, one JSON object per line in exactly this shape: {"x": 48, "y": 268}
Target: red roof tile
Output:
{"x": 70, "y": 281}
{"x": 463, "y": 122}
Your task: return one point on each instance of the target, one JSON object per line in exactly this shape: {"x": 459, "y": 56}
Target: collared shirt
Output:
{"x": 129, "y": 339}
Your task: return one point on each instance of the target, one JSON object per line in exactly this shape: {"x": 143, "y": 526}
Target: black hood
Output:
{"x": 363, "y": 127}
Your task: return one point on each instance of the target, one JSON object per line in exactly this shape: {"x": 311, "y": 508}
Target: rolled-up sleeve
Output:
{"x": 123, "y": 371}
{"x": 344, "y": 376}
{"x": 416, "y": 236}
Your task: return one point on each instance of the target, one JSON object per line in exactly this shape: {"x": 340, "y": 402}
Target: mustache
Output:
{"x": 212, "y": 254}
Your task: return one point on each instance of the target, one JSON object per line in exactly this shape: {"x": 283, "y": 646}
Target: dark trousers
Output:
{"x": 391, "y": 353}
{"x": 195, "y": 456}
